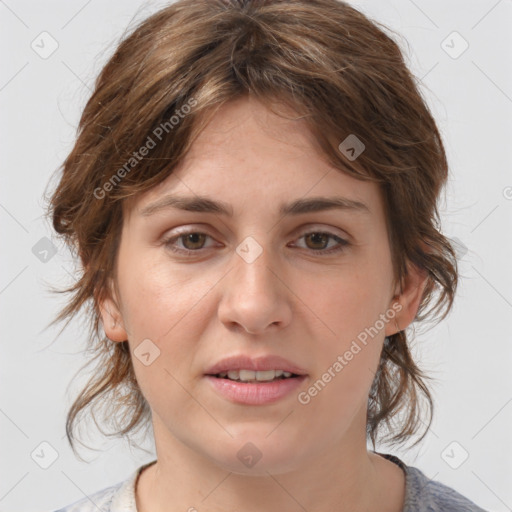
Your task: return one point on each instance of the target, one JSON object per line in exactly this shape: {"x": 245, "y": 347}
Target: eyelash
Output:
{"x": 169, "y": 243}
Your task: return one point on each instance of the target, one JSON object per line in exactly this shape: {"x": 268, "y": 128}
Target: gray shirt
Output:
{"x": 421, "y": 495}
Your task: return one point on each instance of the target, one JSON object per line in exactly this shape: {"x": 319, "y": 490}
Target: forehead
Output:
{"x": 249, "y": 157}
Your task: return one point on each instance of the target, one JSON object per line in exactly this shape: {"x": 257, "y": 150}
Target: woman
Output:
{"x": 253, "y": 197}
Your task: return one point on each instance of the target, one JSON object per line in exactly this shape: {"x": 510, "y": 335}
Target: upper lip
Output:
{"x": 262, "y": 363}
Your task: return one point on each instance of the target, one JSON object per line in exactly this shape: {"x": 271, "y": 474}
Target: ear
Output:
{"x": 111, "y": 316}
{"x": 409, "y": 299}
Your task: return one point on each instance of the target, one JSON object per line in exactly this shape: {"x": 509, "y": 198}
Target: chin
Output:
{"x": 257, "y": 455}
{"x": 262, "y": 468}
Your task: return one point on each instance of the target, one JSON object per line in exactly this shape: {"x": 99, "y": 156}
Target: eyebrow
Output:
{"x": 207, "y": 205}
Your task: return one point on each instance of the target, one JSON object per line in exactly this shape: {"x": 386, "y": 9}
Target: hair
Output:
{"x": 335, "y": 68}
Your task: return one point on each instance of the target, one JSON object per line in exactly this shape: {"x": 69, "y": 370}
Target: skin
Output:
{"x": 290, "y": 301}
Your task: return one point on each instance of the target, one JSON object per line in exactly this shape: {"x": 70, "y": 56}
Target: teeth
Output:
{"x": 252, "y": 376}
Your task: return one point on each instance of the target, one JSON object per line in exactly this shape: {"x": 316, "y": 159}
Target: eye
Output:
{"x": 320, "y": 240}
{"x": 316, "y": 241}
{"x": 192, "y": 240}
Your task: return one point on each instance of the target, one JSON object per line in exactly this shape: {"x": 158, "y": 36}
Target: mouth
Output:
{"x": 255, "y": 377}
{"x": 262, "y": 380}
{"x": 246, "y": 368}
{"x": 253, "y": 388}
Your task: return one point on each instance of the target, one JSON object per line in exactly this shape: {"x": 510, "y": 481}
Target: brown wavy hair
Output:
{"x": 339, "y": 70}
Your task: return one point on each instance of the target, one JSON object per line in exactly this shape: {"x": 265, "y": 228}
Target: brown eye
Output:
{"x": 318, "y": 242}
{"x": 193, "y": 241}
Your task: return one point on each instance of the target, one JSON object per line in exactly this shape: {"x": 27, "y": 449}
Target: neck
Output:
{"x": 343, "y": 478}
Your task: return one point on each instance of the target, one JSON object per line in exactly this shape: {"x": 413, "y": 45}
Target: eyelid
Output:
{"x": 316, "y": 228}
{"x": 342, "y": 241}
{"x": 322, "y": 228}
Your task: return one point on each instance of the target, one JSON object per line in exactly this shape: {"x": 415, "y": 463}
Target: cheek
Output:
{"x": 346, "y": 310}
{"x": 347, "y": 349}
{"x": 162, "y": 306}
{"x": 157, "y": 297}
{"x": 345, "y": 302}
{"x": 169, "y": 308}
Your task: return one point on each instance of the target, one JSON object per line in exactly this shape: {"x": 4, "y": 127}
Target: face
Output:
{"x": 200, "y": 286}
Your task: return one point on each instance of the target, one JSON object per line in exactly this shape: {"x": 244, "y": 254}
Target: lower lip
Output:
{"x": 257, "y": 393}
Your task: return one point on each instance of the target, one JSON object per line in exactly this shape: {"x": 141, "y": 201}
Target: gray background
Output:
{"x": 469, "y": 354}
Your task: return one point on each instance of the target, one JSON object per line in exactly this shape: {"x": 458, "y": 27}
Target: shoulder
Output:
{"x": 99, "y": 501}
{"x": 427, "y": 495}
{"x": 116, "y": 498}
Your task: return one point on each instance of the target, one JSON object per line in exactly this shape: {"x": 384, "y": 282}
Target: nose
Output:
{"x": 255, "y": 297}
